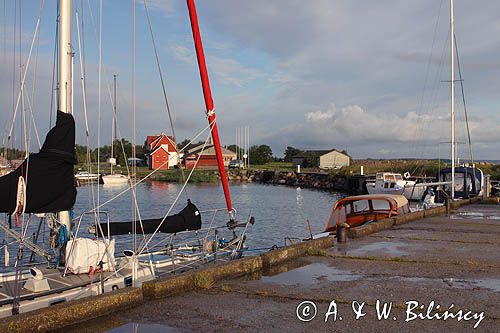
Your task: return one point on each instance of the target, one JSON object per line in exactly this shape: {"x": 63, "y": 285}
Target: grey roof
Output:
{"x": 209, "y": 150}
{"x": 317, "y": 153}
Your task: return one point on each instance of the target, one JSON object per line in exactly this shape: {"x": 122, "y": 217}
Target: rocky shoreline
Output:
{"x": 316, "y": 180}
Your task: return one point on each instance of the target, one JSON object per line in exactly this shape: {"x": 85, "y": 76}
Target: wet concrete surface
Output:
{"x": 450, "y": 261}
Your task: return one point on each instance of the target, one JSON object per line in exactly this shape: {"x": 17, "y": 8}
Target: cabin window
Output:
{"x": 361, "y": 206}
{"x": 392, "y": 185}
{"x": 459, "y": 182}
{"x": 386, "y": 185}
{"x": 398, "y": 177}
{"x": 381, "y": 205}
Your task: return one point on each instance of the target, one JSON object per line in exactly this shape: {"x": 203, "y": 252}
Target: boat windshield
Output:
{"x": 390, "y": 178}
{"x": 459, "y": 181}
{"x": 399, "y": 177}
{"x": 360, "y": 206}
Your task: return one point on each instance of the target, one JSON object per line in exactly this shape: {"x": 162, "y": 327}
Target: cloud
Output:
{"x": 167, "y": 7}
{"x": 228, "y": 71}
{"x": 372, "y": 134}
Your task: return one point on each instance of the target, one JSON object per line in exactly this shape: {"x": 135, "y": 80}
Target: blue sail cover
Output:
{"x": 49, "y": 174}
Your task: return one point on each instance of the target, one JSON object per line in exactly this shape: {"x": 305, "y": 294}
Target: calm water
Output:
{"x": 279, "y": 211}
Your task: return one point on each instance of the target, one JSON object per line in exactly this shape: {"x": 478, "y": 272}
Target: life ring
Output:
{"x": 115, "y": 287}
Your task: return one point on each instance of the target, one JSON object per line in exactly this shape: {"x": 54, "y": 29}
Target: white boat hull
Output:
{"x": 414, "y": 192}
{"x": 375, "y": 190}
{"x": 116, "y": 179}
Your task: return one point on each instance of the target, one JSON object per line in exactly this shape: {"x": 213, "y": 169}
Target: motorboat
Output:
{"x": 395, "y": 183}
{"x": 361, "y": 209}
{"x": 115, "y": 179}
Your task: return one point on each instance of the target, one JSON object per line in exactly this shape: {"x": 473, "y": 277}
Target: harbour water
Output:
{"x": 279, "y": 211}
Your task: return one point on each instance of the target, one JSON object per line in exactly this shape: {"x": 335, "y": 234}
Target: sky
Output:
{"x": 369, "y": 77}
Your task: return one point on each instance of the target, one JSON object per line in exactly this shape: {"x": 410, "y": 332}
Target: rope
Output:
{"x": 178, "y": 195}
{"x": 23, "y": 78}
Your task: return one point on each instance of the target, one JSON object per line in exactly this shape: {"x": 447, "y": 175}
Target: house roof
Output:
{"x": 156, "y": 141}
{"x": 316, "y": 153}
{"x": 209, "y": 150}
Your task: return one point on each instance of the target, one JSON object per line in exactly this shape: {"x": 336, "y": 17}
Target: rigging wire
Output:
{"x": 144, "y": 246}
{"x": 463, "y": 99}
{"x": 23, "y": 79}
{"x": 54, "y": 71}
{"x": 429, "y": 61}
{"x": 163, "y": 86}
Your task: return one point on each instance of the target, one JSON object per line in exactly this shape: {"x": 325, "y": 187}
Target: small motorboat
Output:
{"x": 395, "y": 183}
{"x": 86, "y": 176}
{"x": 115, "y": 179}
{"x": 361, "y": 209}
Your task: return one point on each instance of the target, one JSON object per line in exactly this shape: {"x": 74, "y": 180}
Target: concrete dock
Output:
{"x": 443, "y": 260}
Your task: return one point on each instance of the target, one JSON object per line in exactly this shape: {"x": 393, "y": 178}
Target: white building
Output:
{"x": 323, "y": 159}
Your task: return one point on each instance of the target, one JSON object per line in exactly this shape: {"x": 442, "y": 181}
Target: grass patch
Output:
{"x": 202, "y": 281}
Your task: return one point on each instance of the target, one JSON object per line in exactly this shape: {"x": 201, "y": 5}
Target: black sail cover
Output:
{"x": 187, "y": 219}
{"x": 50, "y": 185}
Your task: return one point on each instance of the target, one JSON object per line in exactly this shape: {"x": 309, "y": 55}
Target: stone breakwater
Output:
{"x": 317, "y": 180}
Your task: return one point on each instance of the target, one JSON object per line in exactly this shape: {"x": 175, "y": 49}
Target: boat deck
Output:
{"x": 57, "y": 282}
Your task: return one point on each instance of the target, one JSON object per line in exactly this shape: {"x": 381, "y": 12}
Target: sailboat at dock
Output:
{"x": 79, "y": 266}
{"x": 114, "y": 178}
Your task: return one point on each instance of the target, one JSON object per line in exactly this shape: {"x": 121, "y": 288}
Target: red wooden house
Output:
{"x": 163, "y": 151}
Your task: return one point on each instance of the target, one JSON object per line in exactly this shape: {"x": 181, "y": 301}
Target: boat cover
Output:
{"x": 84, "y": 255}
{"x": 49, "y": 174}
{"x": 187, "y": 219}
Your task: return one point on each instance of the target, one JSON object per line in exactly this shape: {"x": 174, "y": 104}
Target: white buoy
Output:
{"x": 298, "y": 168}
{"x": 362, "y": 171}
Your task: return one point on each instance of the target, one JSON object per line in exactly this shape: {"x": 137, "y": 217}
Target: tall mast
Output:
{"x": 113, "y": 129}
{"x": 452, "y": 39}
{"x": 209, "y": 103}
{"x": 65, "y": 74}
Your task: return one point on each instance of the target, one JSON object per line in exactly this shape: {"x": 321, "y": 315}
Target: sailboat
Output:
{"x": 458, "y": 181}
{"x": 114, "y": 178}
{"x": 89, "y": 266}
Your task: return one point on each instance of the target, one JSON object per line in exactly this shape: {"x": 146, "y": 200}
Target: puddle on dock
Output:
{"x": 389, "y": 248}
{"x": 146, "y": 328}
{"x": 473, "y": 216}
{"x": 311, "y": 275}
{"x": 491, "y": 284}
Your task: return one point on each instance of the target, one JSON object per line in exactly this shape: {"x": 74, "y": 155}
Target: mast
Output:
{"x": 65, "y": 75}
{"x": 209, "y": 103}
{"x": 452, "y": 28}
{"x": 113, "y": 129}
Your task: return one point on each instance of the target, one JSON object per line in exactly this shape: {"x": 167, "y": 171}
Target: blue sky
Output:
{"x": 346, "y": 74}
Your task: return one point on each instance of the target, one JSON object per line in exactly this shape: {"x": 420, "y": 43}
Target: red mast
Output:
{"x": 209, "y": 103}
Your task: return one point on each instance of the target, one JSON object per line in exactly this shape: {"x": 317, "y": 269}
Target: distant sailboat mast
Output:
{"x": 209, "y": 103}
{"x": 65, "y": 98}
{"x": 452, "y": 39}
